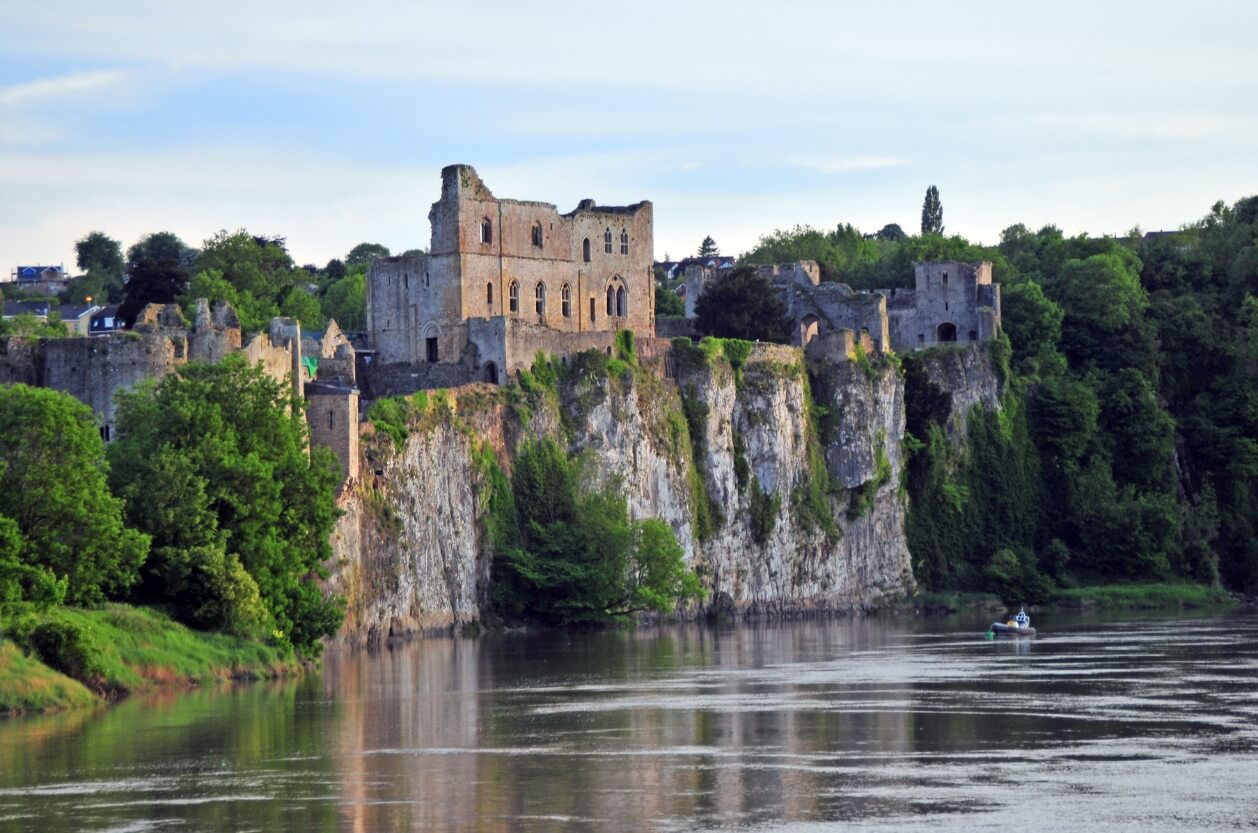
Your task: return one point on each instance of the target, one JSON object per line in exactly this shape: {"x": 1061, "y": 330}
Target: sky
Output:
{"x": 328, "y": 123}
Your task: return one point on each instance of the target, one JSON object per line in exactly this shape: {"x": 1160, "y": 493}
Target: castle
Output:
{"x": 505, "y": 279}
{"x": 950, "y": 302}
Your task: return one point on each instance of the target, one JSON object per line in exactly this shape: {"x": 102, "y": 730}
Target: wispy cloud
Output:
{"x": 59, "y": 86}
{"x": 846, "y": 164}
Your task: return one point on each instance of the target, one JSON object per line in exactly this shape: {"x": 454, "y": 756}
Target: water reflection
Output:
{"x": 1149, "y": 724}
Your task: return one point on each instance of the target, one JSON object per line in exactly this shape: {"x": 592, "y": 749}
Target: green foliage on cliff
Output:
{"x": 572, "y": 555}
{"x": 212, "y": 462}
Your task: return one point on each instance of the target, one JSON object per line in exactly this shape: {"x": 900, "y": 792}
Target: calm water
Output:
{"x": 814, "y": 726}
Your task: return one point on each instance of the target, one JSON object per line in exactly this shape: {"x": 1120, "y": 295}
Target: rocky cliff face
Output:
{"x": 781, "y": 481}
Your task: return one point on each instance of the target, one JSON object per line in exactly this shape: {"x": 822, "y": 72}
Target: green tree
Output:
{"x": 741, "y": 304}
{"x": 891, "y": 232}
{"x": 53, "y": 487}
{"x": 346, "y": 302}
{"x": 708, "y": 248}
{"x": 668, "y": 304}
{"x": 1033, "y": 323}
{"x": 932, "y": 212}
{"x": 260, "y": 266}
{"x": 364, "y": 253}
{"x": 254, "y": 313}
{"x": 303, "y": 306}
{"x": 99, "y": 257}
{"x": 151, "y": 282}
{"x": 161, "y": 246}
{"x": 213, "y": 461}
{"x": 570, "y": 554}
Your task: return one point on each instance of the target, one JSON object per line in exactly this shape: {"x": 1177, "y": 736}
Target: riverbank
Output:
{"x": 1161, "y": 596}
{"x": 68, "y": 657}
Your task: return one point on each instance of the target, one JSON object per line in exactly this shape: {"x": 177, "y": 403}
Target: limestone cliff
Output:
{"x": 780, "y": 478}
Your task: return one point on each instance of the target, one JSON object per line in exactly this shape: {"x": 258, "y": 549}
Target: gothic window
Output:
{"x": 537, "y": 235}
{"x": 624, "y": 242}
{"x": 565, "y": 296}
{"x": 607, "y": 240}
{"x": 539, "y": 294}
{"x": 611, "y": 301}
{"x": 585, "y": 250}
{"x": 620, "y": 302}
{"x": 486, "y": 231}
{"x": 513, "y": 297}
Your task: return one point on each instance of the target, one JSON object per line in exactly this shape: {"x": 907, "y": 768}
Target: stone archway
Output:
{"x": 946, "y": 332}
{"x": 491, "y": 373}
{"x": 809, "y": 328}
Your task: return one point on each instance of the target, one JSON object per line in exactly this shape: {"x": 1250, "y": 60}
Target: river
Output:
{"x": 1143, "y": 724}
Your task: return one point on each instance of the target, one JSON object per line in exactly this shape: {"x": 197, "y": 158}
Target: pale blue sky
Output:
{"x": 328, "y": 122}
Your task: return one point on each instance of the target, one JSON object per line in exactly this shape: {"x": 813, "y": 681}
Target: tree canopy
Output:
{"x": 568, "y": 553}
{"x": 61, "y": 531}
{"x": 364, "y": 253}
{"x": 741, "y": 304}
{"x": 212, "y": 462}
{"x": 932, "y": 212}
{"x": 708, "y": 247}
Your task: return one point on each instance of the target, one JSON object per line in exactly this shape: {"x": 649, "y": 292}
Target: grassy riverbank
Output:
{"x": 1160, "y": 596}
{"x": 68, "y": 657}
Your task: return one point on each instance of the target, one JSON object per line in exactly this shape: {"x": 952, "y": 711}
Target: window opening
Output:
{"x": 607, "y": 240}
{"x": 624, "y": 242}
{"x": 592, "y": 307}
{"x": 620, "y": 302}
{"x": 486, "y": 231}
{"x": 585, "y": 250}
{"x": 489, "y": 295}
{"x": 432, "y": 349}
{"x": 513, "y": 296}
{"x": 565, "y": 297}
{"x": 611, "y": 301}
{"x": 539, "y": 293}
{"x": 537, "y": 235}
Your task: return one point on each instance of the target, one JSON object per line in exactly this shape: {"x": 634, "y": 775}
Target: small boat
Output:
{"x": 1019, "y": 625}
{"x": 1005, "y": 629}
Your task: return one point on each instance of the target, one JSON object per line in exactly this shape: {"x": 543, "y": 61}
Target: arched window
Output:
{"x": 486, "y": 231}
{"x": 585, "y": 250}
{"x": 611, "y": 301}
{"x": 624, "y": 242}
{"x": 592, "y": 306}
{"x": 489, "y": 295}
{"x": 621, "y": 309}
{"x": 539, "y": 293}
{"x": 513, "y": 296}
{"x": 565, "y": 296}
{"x": 607, "y": 240}
{"x": 537, "y": 235}
{"x": 946, "y": 332}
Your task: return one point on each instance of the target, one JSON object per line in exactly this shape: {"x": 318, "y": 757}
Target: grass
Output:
{"x": 122, "y": 650}
{"x": 1141, "y": 596}
{"x": 27, "y": 685}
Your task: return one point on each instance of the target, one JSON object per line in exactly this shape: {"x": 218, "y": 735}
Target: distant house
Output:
{"x": 76, "y": 317}
{"x": 105, "y": 320}
{"x": 47, "y": 280}
{"x": 668, "y": 267}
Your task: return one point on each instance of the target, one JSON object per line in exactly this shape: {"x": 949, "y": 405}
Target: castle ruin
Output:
{"x": 505, "y": 279}
{"x": 950, "y": 302}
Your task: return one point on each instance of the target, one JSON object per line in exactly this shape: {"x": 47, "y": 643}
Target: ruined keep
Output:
{"x": 505, "y": 279}
{"x": 951, "y": 302}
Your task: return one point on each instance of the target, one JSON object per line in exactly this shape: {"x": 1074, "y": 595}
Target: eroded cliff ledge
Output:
{"x": 781, "y": 477}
